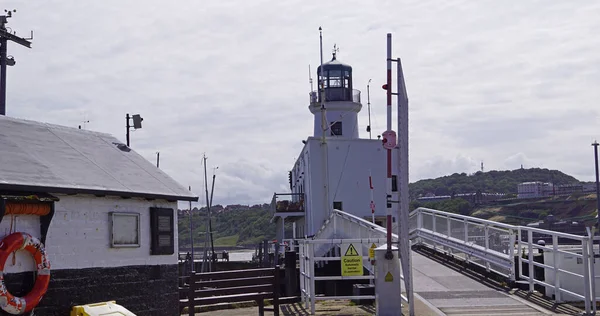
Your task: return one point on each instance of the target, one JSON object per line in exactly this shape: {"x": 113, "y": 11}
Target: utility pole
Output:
{"x": 595, "y": 144}
{"x": 212, "y": 245}
{"x": 5, "y": 36}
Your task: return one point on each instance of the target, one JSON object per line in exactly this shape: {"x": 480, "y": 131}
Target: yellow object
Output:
{"x": 372, "y": 251}
{"x": 110, "y": 308}
{"x": 389, "y": 277}
{"x": 352, "y": 264}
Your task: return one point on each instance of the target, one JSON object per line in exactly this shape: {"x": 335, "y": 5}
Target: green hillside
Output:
{"x": 235, "y": 225}
{"x": 491, "y": 182}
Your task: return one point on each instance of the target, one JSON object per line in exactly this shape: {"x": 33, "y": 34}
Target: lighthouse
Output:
{"x": 342, "y": 101}
{"x": 336, "y": 169}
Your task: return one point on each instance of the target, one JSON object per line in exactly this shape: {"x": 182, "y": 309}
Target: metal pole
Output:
{"x": 369, "y": 107}
{"x": 389, "y": 254}
{"x": 192, "y": 234}
{"x": 212, "y": 190}
{"x": 208, "y": 213}
{"x": 324, "y": 128}
{"x": 127, "y": 127}
{"x": 372, "y": 202}
{"x": 3, "y": 44}
{"x": 595, "y": 144}
{"x": 158, "y": 161}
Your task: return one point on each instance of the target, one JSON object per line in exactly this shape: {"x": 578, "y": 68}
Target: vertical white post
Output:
{"x": 555, "y": 258}
{"x": 294, "y": 230}
{"x": 302, "y": 270}
{"x": 592, "y": 266}
{"x": 511, "y": 252}
{"x": 586, "y": 275}
{"x": 486, "y": 232}
{"x": 311, "y": 262}
{"x": 530, "y": 259}
{"x": 519, "y": 251}
{"x": 466, "y": 230}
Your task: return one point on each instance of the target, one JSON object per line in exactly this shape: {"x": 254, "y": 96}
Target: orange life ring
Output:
{"x": 18, "y": 241}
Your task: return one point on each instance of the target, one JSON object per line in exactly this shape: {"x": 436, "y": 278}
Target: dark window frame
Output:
{"x": 335, "y": 128}
{"x": 155, "y": 247}
{"x": 338, "y": 203}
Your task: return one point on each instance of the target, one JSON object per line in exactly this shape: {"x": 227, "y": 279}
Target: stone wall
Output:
{"x": 144, "y": 290}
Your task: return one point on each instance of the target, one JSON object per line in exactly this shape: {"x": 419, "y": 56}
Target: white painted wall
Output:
{"x": 349, "y": 161}
{"x": 79, "y": 234}
{"x": 338, "y": 111}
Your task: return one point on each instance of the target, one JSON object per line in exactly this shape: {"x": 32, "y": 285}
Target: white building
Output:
{"x": 534, "y": 189}
{"x": 105, "y": 215}
{"x": 334, "y": 173}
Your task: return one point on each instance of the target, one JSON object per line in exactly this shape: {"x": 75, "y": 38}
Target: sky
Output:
{"x": 509, "y": 83}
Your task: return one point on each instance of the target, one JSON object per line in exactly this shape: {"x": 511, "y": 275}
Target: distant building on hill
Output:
{"x": 534, "y": 189}
{"x": 538, "y": 189}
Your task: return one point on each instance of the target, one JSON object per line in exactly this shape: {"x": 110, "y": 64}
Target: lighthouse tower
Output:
{"x": 342, "y": 103}
{"x": 336, "y": 169}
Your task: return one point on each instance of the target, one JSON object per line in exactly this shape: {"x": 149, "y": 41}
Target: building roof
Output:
{"x": 41, "y": 157}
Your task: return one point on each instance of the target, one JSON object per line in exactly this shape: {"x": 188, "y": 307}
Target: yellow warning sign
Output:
{"x": 372, "y": 251}
{"x": 352, "y": 261}
{"x": 389, "y": 277}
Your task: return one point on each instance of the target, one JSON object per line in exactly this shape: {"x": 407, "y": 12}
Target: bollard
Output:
{"x": 387, "y": 282}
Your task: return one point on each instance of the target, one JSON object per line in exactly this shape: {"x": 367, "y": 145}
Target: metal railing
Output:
{"x": 488, "y": 244}
{"x": 287, "y": 203}
{"x": 308, "y": 259}
{"x": 335, "y": 94}
{"x": 477, "y": 241}
{"x": 492, "y": 245}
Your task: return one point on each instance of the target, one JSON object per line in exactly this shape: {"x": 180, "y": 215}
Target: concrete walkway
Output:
{"x": 453, "y": 293}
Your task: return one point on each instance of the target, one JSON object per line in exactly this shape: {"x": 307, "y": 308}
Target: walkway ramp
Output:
{"x": 488, "y": 245}
{"x": 454, "y": 293}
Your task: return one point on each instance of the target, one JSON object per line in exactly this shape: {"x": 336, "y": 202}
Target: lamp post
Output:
{"x": 137, "y": 124}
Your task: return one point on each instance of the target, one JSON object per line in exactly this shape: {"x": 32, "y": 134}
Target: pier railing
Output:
{"x": 566, "y": 261}
{"x": 559, "y": 264}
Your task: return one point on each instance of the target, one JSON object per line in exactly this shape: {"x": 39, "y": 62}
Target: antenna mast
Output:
{"x": 324, "y": 127}
{"x": 5, "y": 36}
{"x": 369, "y": 109}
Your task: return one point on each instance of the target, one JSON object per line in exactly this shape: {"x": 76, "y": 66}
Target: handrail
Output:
{"x": 463, "y": 217}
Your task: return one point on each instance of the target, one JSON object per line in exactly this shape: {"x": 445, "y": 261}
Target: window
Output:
{"x": 125, "y": 230}
{"x": 161, "y": 231}
{"x": 335, "y": 79}
{"x": 337, "y": 206}
{"x": 336, "y": 129}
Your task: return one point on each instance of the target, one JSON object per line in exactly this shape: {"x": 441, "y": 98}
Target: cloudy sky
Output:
{"x": 503, "y": 82}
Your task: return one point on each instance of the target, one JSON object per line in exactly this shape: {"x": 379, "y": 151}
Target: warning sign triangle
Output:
{"x": 351, "y": 251}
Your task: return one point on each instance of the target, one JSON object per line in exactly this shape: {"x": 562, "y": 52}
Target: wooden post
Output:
{"x": 265, "y": 253}
{"x": 260, "y": 256}
{"x": 191, "y": 294}
{"x": 291, "y": 278}
{"x": 276, "y": 287}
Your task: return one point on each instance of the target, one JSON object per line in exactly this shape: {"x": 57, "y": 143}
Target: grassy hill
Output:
{"x": 491, "y": 182}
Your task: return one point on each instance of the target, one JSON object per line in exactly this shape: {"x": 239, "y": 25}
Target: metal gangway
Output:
{"x": 496, "y": 247}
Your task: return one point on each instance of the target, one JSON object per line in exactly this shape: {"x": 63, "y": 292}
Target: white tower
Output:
{"x": 341, "y": 101}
